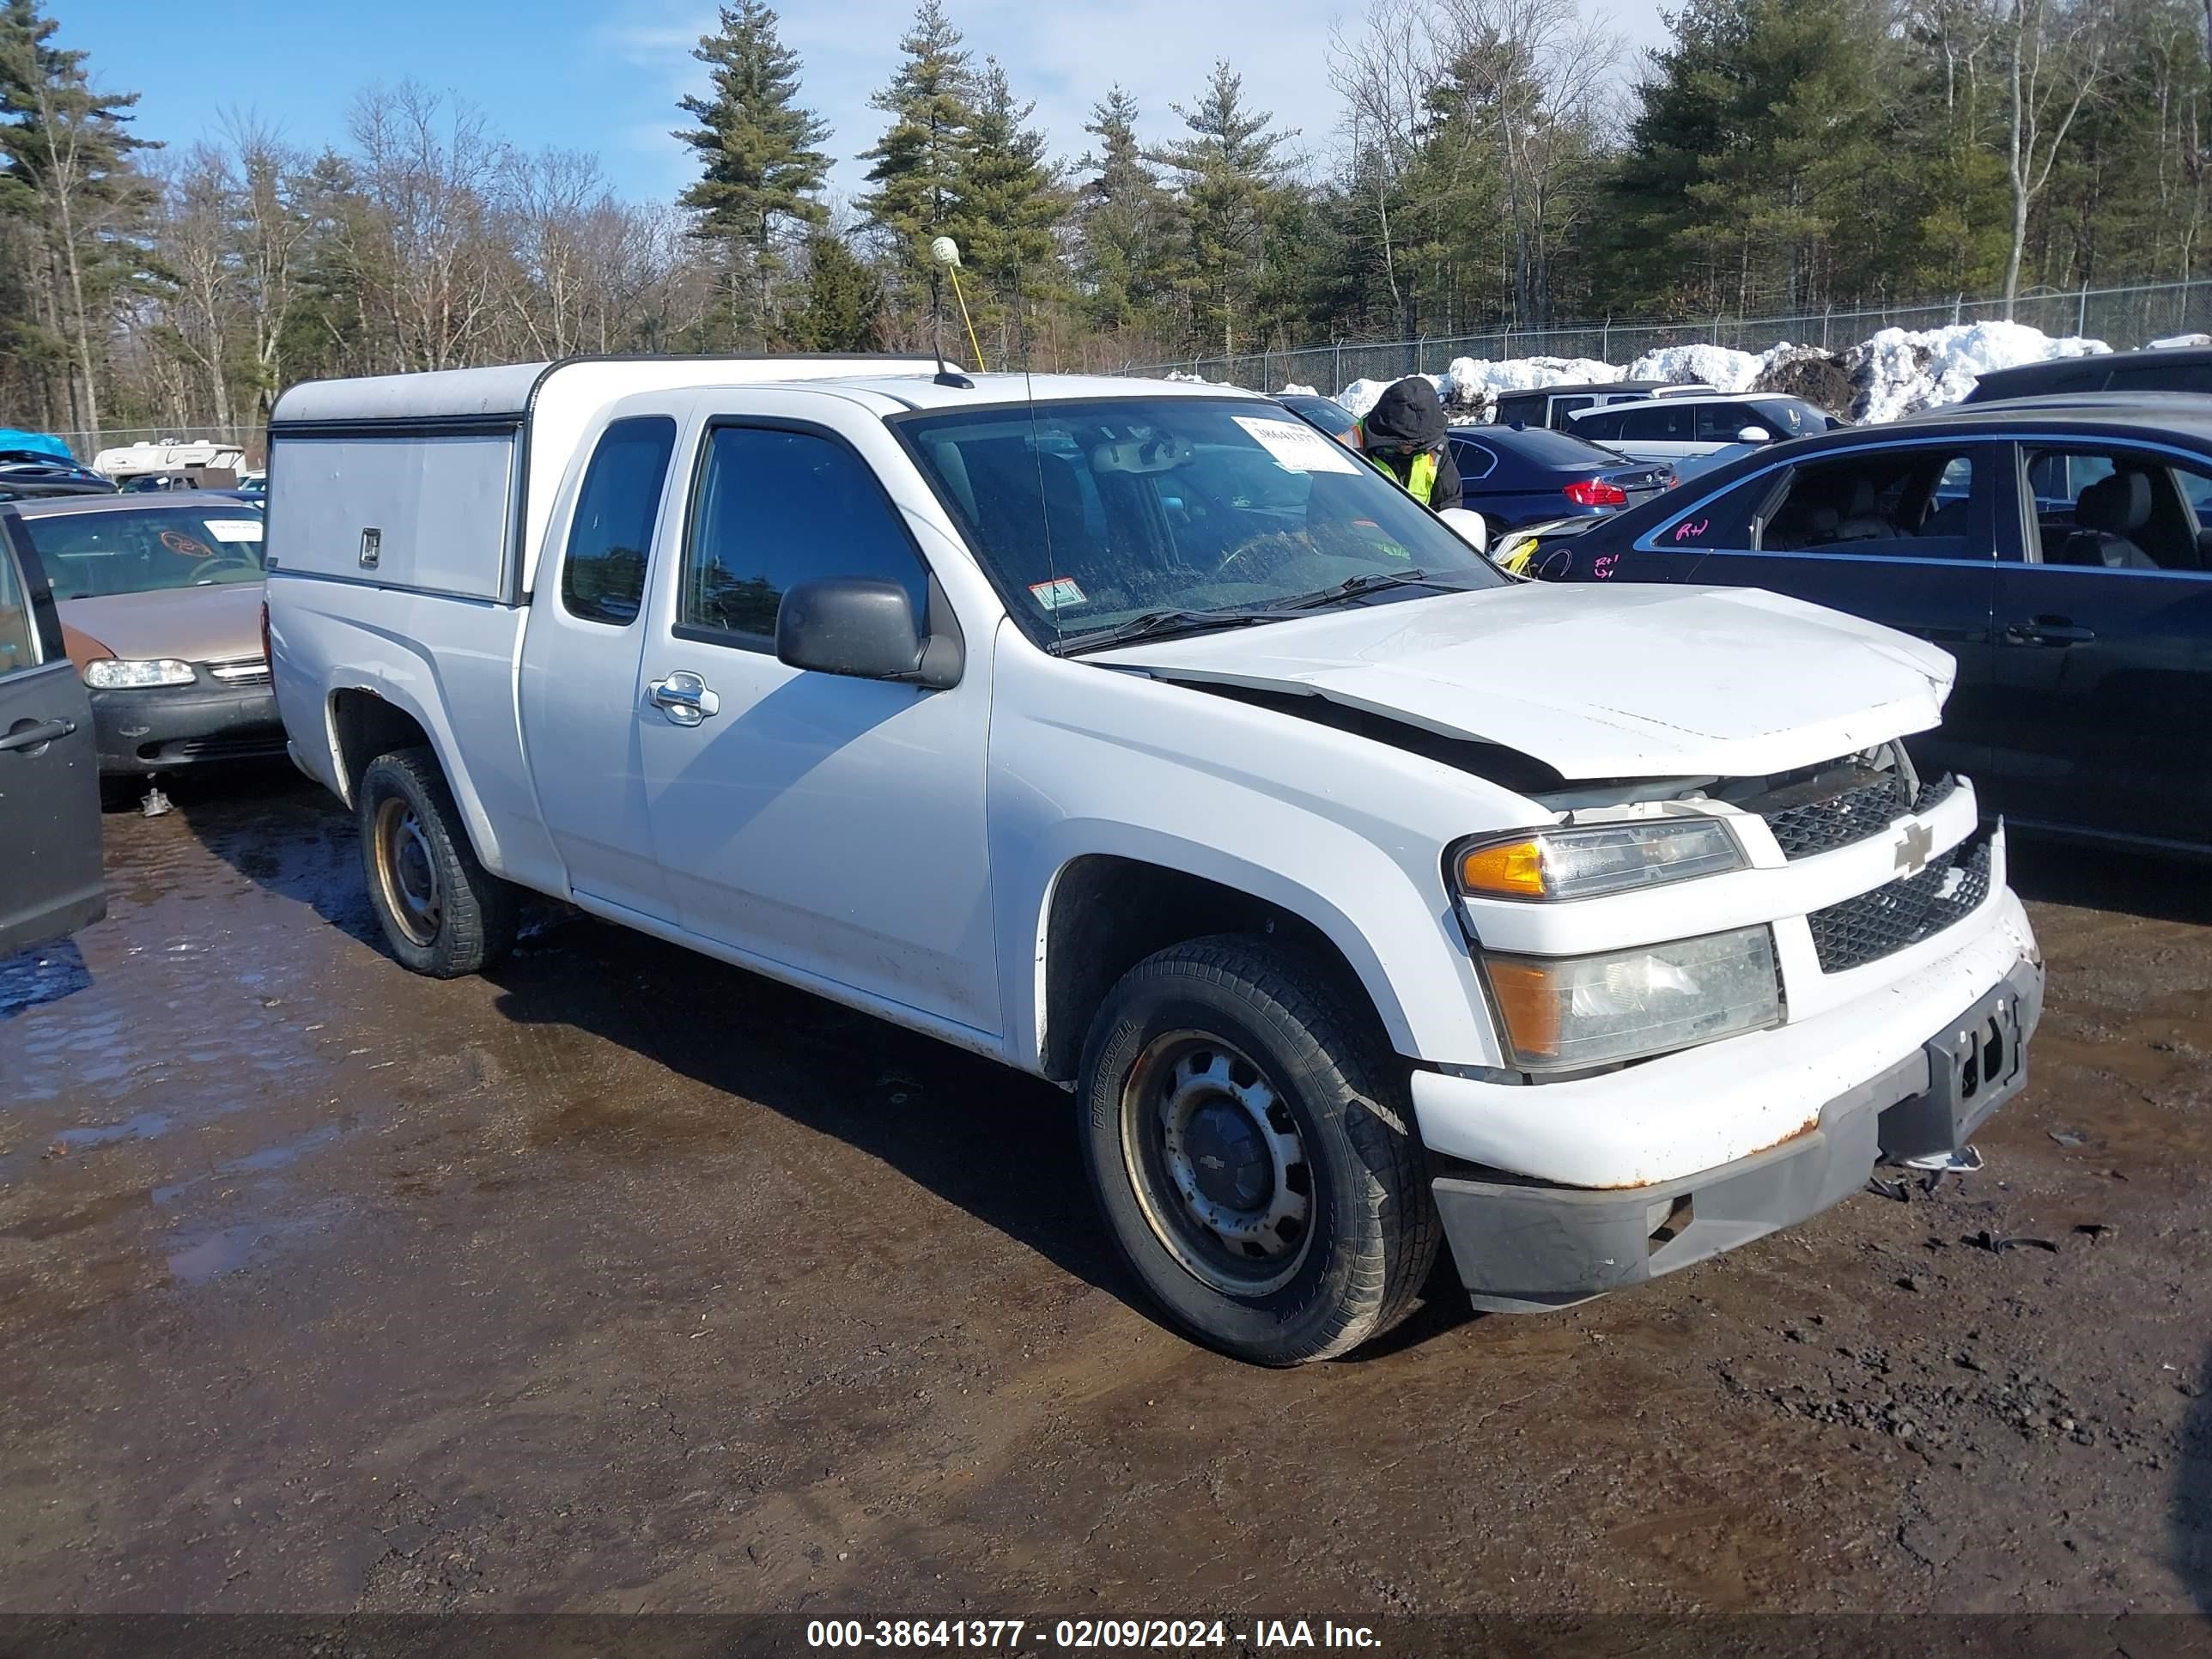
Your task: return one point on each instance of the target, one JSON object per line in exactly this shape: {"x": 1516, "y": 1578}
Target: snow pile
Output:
{"x": 1294, "y": 390}
{"x": 1897, "y": 373}
{"x": 1471, "y": 378}
{"x": 2173, "y": 340}
{"x": 1717, "y": 367}
{"x": 1900, "y": 371}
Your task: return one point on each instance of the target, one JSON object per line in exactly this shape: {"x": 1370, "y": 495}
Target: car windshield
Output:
{"x": 1087, "y": 514}
{"x": 1793, "y": 417}
{"x": 141, "y": 550}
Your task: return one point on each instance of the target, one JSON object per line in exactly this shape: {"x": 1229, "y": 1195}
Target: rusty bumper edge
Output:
{"x": 1524, "y": 1246}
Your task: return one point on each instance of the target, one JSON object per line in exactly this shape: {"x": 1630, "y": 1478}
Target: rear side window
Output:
{"x": 1719, "y": 423}
{"x": 16, "y": 651}
{"x": 777, "y": 507}
{"x": 1600, "y": 426}
{"x": 1727, "y": 523}
{"x": 1472, "y": 460}
{"x": 1657, "y": 421}
{"x": 1564, "y": 408}
{"x": 603, "y": 578}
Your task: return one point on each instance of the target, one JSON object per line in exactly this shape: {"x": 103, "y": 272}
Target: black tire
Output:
{"x": 404, "y": 797}
{"x": 1369, "y": 1232}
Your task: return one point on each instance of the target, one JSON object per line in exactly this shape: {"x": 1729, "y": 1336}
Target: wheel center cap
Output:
{"x": 1228, "y": 1158}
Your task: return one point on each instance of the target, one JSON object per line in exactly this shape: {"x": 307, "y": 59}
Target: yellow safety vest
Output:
{"x": 1420, "y": 481}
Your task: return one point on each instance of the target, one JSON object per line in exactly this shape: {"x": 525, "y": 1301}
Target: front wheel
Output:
{"x": 443, "y": 913}
{"x": 1251, "y": 1143}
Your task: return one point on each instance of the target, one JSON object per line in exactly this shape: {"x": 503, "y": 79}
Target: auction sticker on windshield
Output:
{"x": 1059, "y": 591}
{"x": 234, "y": 529}
{"x": 1300, "y": 448}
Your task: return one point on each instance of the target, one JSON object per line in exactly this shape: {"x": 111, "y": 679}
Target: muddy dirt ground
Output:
{"x": 621, "y": 1280}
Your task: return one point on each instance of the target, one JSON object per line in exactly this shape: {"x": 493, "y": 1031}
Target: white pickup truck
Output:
{"x": 1141, "y": 738}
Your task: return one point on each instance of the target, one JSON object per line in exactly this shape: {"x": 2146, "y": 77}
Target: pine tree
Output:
{"x": 1005, "y": 201}
{"x": 1230, "y": 174}
{"x": 1124, "y": 219}
{"x": 844, "y": 298}
{"x": 920, "y": 158}
{"x": 66, "y": 172}
{"x": 761, "y": 171}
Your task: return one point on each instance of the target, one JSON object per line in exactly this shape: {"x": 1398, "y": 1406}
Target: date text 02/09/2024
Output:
{"x": 1079, "y": 1634}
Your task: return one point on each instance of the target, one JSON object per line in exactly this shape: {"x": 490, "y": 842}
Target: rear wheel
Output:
{"x": 1252, "y": 1147}
{"x": 443, "y": 913}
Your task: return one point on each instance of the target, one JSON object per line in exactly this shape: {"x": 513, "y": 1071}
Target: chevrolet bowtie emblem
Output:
{"x": 1913, "y": 848}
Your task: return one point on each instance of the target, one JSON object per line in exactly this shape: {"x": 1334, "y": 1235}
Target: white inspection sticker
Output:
{"x": 234, "y": 529}
{"x": 1300, "y": 448}
{"x": 1059, "y": 591}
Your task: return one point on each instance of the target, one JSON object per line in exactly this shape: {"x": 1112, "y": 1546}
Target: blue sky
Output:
{"x": 605, "y": 75}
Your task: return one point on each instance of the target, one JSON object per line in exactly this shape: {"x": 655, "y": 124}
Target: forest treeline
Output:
{"x": 1480, "y": 163}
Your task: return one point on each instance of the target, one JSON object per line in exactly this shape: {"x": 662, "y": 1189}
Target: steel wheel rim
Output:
{"x": 407, "y": 871}
{"x": 1218, "y": 1163}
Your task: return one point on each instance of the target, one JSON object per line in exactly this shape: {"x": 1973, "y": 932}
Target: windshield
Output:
{"x": 1796, "y": 418}
{"x": 1087, "y": 514}
{"x": 89, "y": 554}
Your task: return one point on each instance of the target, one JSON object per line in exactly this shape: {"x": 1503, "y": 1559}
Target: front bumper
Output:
{"x": 1524, "y": 1245}
{"x": 164, "y": 728}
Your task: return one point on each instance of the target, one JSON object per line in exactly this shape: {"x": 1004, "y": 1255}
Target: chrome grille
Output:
{"x": 241, "y": 671}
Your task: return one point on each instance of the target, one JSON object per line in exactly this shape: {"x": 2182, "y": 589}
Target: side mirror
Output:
{"x": 1755, "y": 434}
{"x": 857, "y": 626}
{"x": 1467, "y": 525}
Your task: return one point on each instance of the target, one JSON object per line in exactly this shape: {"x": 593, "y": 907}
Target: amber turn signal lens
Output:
{"x": 1529, "y": 1001}
{"x": 1514, "y": 869}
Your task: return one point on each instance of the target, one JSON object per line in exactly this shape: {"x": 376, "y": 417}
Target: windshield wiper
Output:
{"x": 1159, "y": 625}
{"x": 1354, "y": 587}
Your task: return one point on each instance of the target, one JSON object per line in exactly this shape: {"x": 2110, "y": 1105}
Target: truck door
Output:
{"x": 580, "y": 658}
{"x": 832, "y": 825}
{"x": 50, "y": 877}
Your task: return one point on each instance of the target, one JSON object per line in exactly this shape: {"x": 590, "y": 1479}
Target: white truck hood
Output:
{"x": 1596, "y": 682}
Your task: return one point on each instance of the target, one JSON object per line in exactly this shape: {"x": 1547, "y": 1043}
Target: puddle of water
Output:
{"x": 210, "y": 1255}
{"x": 260, "y": 1163}
{"x": 31, "y": 979}
{"x": 145, "y": 1125}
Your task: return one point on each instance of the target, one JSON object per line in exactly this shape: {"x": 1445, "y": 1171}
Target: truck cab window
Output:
{"x": 777, "y": 507}
{"x": 603, "y": 577}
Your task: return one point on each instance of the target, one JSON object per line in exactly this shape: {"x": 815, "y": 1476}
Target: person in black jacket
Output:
{"x": 1405, "y": 434}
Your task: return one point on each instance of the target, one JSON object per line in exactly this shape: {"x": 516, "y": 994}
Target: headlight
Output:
{"x": 1566, "y": 1013}
{"x": 109, "y": 674}
{"x": 1607, "y": 858}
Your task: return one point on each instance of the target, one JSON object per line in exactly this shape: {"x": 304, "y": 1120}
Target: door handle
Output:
{"x": 685, "y": 698}
{"x": 37, "y": 735}
{"x": 2047, "y": 630}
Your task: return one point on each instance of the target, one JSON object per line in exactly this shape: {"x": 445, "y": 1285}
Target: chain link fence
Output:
{"x": 2121, "y": 317}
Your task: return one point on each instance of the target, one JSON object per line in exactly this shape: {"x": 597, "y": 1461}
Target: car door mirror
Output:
{"x": 1468, "y": 525}
{"x": 860, "y": 627}
{"x": 1755, "y": 434}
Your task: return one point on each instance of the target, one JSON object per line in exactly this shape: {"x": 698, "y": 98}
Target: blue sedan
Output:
{"x": 1517, "y": 475}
